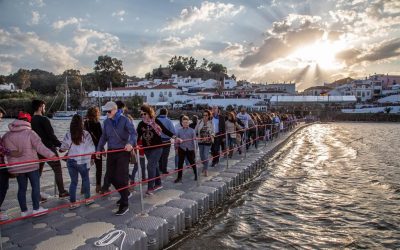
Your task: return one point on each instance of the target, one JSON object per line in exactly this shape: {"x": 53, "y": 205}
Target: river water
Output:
{"x": 332, "y": 186}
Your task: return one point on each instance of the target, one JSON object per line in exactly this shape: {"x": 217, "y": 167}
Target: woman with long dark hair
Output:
{"x": 93, "y": 126}
{"x": 78, "y": 141}
{"x": 149, "y": 131}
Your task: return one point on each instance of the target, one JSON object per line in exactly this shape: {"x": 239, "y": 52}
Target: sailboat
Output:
{"x": 65, "y": 114}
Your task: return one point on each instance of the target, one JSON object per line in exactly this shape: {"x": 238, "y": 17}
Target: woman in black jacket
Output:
{"x": 149, "y": 130}
{"x": 93, "y": 126}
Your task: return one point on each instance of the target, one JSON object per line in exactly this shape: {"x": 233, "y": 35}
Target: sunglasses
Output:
{"x": 143, "y": 114}
{"x": 109, "y": 111}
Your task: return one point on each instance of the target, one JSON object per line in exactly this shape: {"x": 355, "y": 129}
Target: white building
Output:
{"x": 249, "y": 103}
{"x": 9, "y": 87}
{"x": 152, "y": 94}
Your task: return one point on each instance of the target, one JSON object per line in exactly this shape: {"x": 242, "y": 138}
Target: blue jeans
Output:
{"x": 34, "y": 179}
{"x": 204, "y": 151}
{"x": 74, "y": 169}
{"x": 153, "y": 157}
{"x": 142, "y": 167}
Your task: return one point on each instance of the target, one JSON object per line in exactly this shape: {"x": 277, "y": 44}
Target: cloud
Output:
{"x": 119, "y": 14}
{"x": 384, "y": 50}
{"x": 208, "y": 11}
{"x": 272, "y": 49}
{"x": 284, "y": 38}
{"x": 92, "y": 42}
{"x": 60, "y": 24}
{"x": 35, "y": 18}
{"x": 38, "y": 3}
{"x": 43, "y": 54}
{"x": 177, "y": 42}
{"x": 374, "y": 53}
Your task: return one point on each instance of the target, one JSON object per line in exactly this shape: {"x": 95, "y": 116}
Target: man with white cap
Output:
{"x": 119, "y": 133}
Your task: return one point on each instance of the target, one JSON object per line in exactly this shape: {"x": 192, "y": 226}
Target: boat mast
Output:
{"x": 66, "y": 93}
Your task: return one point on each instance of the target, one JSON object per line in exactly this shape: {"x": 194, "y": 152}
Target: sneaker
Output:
{"x": 104, "y": 191}
{"x": 63, "y": 195}
{"x": 150, "y": 192}
{"x": 119, "y": 201}
{"x": 122, "y": 211}
{"x": 89, "y": 202}
{"x": 39, "y": 212}
{"x": 158, "y": 187}
{"x": 178, "y": 180}
{"x": 205, "y": 173}
{"x": 4, "y": 217}
{"x": 42, "y": 200}
{"x": 74, "y": 206}
{"x": 26, "y": 213}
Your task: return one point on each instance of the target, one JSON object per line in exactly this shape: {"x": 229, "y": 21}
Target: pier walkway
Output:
{"x": 161, "y": 217}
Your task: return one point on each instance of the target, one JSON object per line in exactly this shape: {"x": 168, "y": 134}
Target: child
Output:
{"x": 78, "y": 141}
{"x": 186, "y": 137}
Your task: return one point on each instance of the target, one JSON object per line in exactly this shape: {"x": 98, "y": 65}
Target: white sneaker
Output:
{"x": 130, "y": 195}
{"x": 44, "y": 195}
{"x": 3, "y": 217}
{"x": 39, "y": 212}
{"x": 26, "y": 213}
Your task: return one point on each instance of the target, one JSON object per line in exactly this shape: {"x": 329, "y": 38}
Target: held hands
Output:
{"x": 128, "y": 147}
{"x": 178, "y": 140}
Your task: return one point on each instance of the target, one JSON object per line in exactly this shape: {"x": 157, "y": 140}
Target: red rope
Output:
{"x": 130, "y": 185}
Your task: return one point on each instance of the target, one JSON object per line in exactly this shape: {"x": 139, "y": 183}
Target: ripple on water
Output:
{"x": 331, "y": 186}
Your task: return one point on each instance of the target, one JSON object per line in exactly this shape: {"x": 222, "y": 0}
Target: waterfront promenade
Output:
{"x": 80, "y": 228}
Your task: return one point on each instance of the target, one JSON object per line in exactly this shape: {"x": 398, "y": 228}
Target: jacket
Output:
{"x": 205, "y": 131}
{"x": 169, "y": 125}
{"x": 22, "y": 138}
{"x": 42, "y": 126}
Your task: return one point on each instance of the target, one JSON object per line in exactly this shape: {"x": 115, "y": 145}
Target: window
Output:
{"x": 161, "y": 94}
{"x": 151, "y": 94}
{"x": 170, "y": 94}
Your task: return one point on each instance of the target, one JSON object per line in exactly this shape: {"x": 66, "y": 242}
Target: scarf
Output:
{"x": 116, "y": 118}
{"x": 152, "y": 122}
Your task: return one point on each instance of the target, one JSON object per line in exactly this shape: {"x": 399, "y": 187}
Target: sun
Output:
{"x": 321, "y": 53}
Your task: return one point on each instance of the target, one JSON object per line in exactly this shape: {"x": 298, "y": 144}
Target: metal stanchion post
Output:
{"x": 265, "y": 135}
{"x": 197, "y": 169}
{"x": 256, "y": 141}
{"x": 140, "y": 182}
{"x": 245, "y": 143}
{"x": 227, "y": 150}
{"x": 272, "y": 133}
{"x": 55, "y": 188}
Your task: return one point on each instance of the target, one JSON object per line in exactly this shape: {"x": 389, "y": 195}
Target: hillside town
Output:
{"x": 178, "y": 91}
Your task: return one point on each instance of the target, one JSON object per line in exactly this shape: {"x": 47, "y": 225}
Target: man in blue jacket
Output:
{"x": 163, "y": 118}
{"x": 119, "y": 134}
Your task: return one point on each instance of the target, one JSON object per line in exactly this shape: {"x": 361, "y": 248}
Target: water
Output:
{"x": 332, "y": 186}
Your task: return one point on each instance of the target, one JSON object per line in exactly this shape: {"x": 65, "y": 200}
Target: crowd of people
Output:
{"x": 214, "y": 135}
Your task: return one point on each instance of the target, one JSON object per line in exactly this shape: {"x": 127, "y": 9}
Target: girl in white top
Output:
{"x": 78, "y": 142}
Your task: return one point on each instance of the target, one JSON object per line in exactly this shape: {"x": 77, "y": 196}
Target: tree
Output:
{"x": 148, "y": 76}
{"x": 217, "y": 68}
{"x": 22, "y": 79}
{"x": 108, "y": 70}
{"x": 204, "y": 64}
{"x": 192, "y": 63}
{"x": 233, "y": 77}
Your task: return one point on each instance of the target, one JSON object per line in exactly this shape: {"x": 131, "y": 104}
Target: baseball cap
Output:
{"x": 109, "y": 106}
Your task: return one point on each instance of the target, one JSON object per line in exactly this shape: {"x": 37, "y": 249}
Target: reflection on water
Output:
{"x": 331, "y": 186}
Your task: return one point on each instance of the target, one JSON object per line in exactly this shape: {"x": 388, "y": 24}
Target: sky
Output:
{"x": 304, "y": 41}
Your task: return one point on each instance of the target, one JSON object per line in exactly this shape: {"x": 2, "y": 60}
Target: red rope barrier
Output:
{"x": 135, "y": 183}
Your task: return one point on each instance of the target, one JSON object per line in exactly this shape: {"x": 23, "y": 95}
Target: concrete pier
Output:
{"x": 166, "y": 216}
